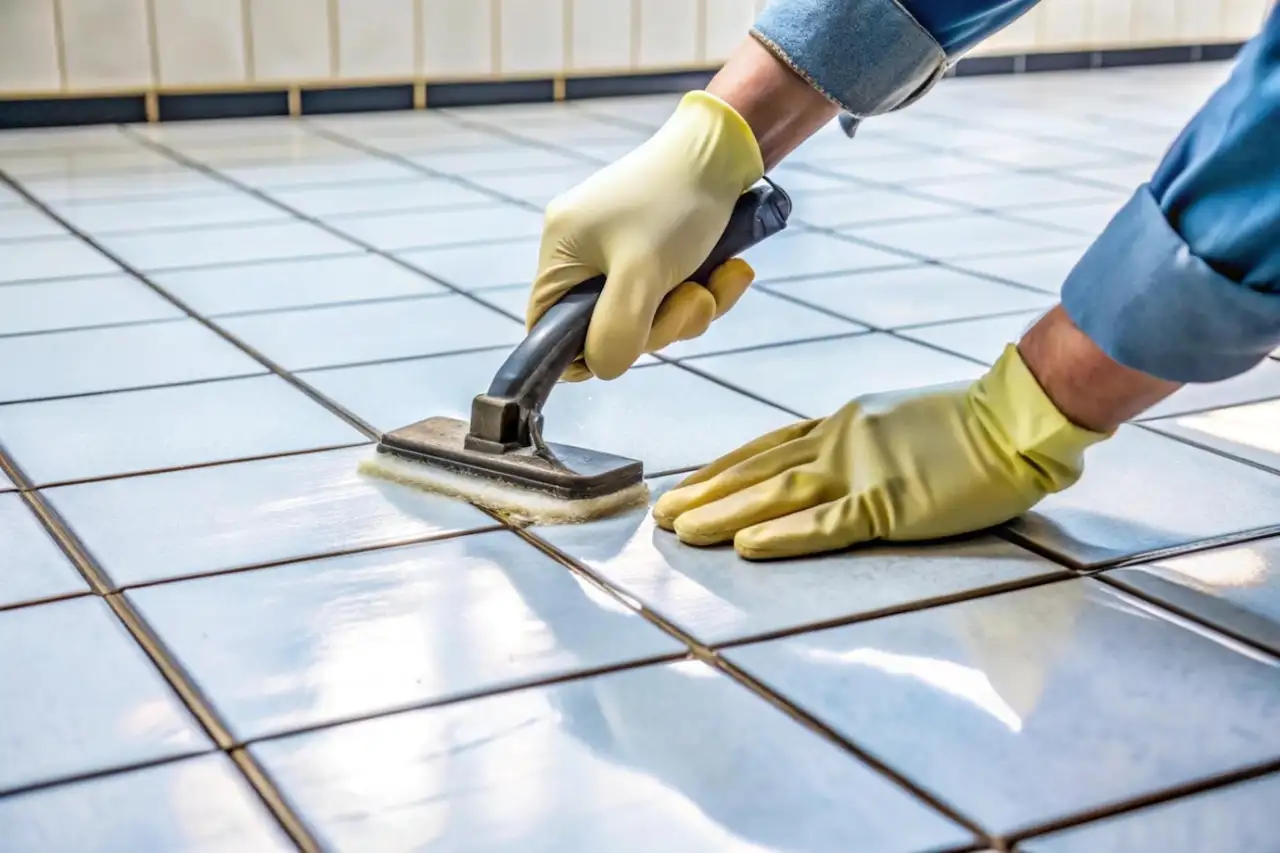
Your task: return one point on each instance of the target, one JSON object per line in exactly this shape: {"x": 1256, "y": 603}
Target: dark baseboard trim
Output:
{"x": 128, "y": 108}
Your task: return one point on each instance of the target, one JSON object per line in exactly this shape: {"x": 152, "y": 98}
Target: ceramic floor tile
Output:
{"x": 81, "y": 696}
{"x": 630, "y": 761}
{"x": 222, "y": 154}
{"x": 1030, "y": 706}
{"x": 966, "y": 236}
{"x": 22, "y": 222}
{"x": 1245, "y": 432}
{"x": 288, "y": 647}
{"x": 300, "y": 283}
{"x": 441, "y": 227}
{"x": 132, "y": 431}
{"x": 201, "y": 804}
{"x": 112, "y": 217}
{"x": 206, "y": 519}
{"x": 537, "y": 188}
{"x": 1239, "y": 817}
{"x": 1042, "y": 270}
{"x": 33, "y": 567}
{"x": 1127, "y": 176}
{"x": 350, "y": 334}
{"x": 161, "y": 182}
{"x": 796, "y": 254}
{"x": 233, "y": 244}
{"x": 76, "y": 303}
{"x": 718, "y": 597}
{"x": 912, "y": 296}
{"x": 1090, "y": 219}
{"x": 797, "y": 178}
{"x": 760, "y": 319}
{"x": 1022, "y": 191}
{"x": 320, "y": 172}
{"x": 399, "y": 195}
{"x": 506, "y": 159}
{"x": 1143, "y": 492}
{"x": 580, "y": 129}
{"x": 115, "y": 359}
{"x": 835, "y": 208}
{"x": 107, "y": 161}
{"x": 983, "y": 339}
{"x": 913, "y": 168}
{"x": 480, "y": 266}
{"x": 1260, "y": 383}
{"x": 51, "y": 257}
{"x": 817, "y": 378}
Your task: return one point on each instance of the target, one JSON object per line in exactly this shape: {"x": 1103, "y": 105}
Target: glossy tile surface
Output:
{"x": 75, "y": 303}
{"x": 51, "y": 257}
{"x": 761, "y": 319}
{"x": 1244, "y": 432}
{"x": 33, "y": 567}
{"x": 1043, "y": 270}
{"x": 798, "y": 253}
{"x": 508, "y": 262}
{"x": 384, "y": 197}
{"x": 632, "y": 761}
{"x": 202, "y": 520}
{"x": 80, "y": 696}
{"x": 1260, "y": 383}
{"x": 965, "y": 236}
{"x": 394, "y": 231}
{"x": 982, "y": 340}
{"x": 153, "y": 251}
{"x": 315, "y": 642}
{"x": 1030, "y": 706}
{"x": 199, "y": 804}
{"x": 99, "y": 217}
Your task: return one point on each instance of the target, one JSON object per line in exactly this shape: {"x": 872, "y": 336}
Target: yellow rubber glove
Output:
{"x": 903, "y": 466}
{"x": 648, "y": 221}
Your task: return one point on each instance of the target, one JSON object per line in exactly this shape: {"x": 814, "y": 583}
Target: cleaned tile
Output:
{"x": 350, "y": 334}
{"x": 914, "y": 168}
{"x": 537, "y": 188}
{"x": 114, "y": 359}
{"x": 286, "y": 150}
{"x": 799, "y": 178}
{"x": 499, "y": 159}
{"x": 664, "y": 416}
{"x": 6, "y": 485}
{"x": 1030, "y": 706}
{"x": 760, "y": 319}
{"x": 206, "y": 519}
{"x": 817, "y": 378}
{"x": 132, "y": 431}
{"x": 422, "y": 193}
{"x": 835, "y": 208}
{"x": 1125, "y": 175}
{"x": 112, "y": 217}
{"x": 1239, "y": 817}
{"x": 286, "y": 647}
{"x": 1260, "y": 383}
{"x": 81, "y": 696}
{"x": 1090, "y": 219}
{"x": 33, "y": 566}
{"x": 718, "y": 597}
{"x": 580, "y": 129}
{"x": 1019, "y": 190}
{"x": 1144, "y": 492}
{"x": 1042, "y": 270}
{"x": 51, "y": 257}
{"x": 441, "y": 227}
{"x": 634, "y": 760}
{"x": 232, "y": 244}
{"x": 167, "y": 179}
{"x": 350, "y": 168}
{"x": 794, "y": 254}
{"x": 966, "y": 236}
{"x": 22, "y": 222}
{"x": 912, "y": 296}
{"x": 982, "y": 339}
{"x": 200, "y": 804}
{"x": 479, "y": 266}
{"x": 1244, "y": 432}
{"x": 75, "y": 303}
{"x": 299, "y": 283}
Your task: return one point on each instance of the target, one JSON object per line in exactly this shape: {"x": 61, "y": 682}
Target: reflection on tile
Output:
{"x": 793, "y": 254}
{"x": 92, "y": 360}
{"x": 293, "y": 284}
{"x": 107, "y": 434}
{"x": 1244, "y": 432}
{"x": 395, "y": 231}
{"x": 1239, "y": 818}
{"x": 627, "y": 761}
{"x": 1260, "y": 383}
{"x": 817, "y": 378}
{"x": 538, "y": 187}
{"x": 200, "y": 804}
{"x": 419, "y": 194}
{"x": 80, "y": 696}
{"x": 504, "y": 158}
{"x": 205, "y": 519}
{"x": 982, "y": 339}
{"x": 233, "y": 244}
{"x": 1088, "y": 219}
{"x": 108, "y": 217}
{"x": 1235, "y": 588}
{"x": 51, "y": 257}
{"x": 281, "y": 648}
{"x": 913, "y": 168}
{"x": 1034, "y": 705}
{"x": 1042, "y": 270}
{"x": 911, "y": 296}
{"x": 21, "y": 222}
{"x": 1143, "y": 492}
{"x": 75, "y": 303}
{"x": 966, "y": 236}
{"x": 1022, "y": 190}
{"x": 835, "y": 208}
{"x": 717, "y": 597}
{"x": 33, "y": 566}
{"x": 160, "y": 182}
{"x": 351, "y": 334}
{"x": 760, "y": 319}
{"x": 343, "y": 170}
{"x": 480, "y": 266}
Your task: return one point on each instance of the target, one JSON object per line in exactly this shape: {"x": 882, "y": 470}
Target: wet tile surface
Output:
{"x": 1245, "y": 432}
{"x": 33, "y": 567}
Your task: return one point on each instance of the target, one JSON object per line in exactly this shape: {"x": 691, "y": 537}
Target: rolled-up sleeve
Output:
{"x": 1184, "y": 283}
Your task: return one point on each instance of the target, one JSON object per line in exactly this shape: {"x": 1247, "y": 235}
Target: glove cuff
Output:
{"x": 719, "y": 139}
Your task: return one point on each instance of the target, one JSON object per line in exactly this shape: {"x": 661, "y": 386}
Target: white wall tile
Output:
{"x": 601, "y": 34}
{"x": 532, "y": 36}
{"x": 106, "y": 43}
{"x": 1155, "y": 22}
{"x": 290, "y": 39}
{"x": 200, "y": 42}
{"x": 1242, "y": 19}
{"x": 376, "y": 38}
{"x": 1017, "y": 37}
{"x": 728, "y": 23}
{"x": 457, "y": 37}
{"x": 1199, "y": 21}
{"x": 1111, "y": 22}
{"x": 668, "y": 33}
{"x": 28, "y": 47}
{"x": 1063, "y": 24}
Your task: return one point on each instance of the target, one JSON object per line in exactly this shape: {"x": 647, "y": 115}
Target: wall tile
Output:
{"x": 1156, "y": 21}
{"x": 200, "y": 42}
{"x": 457, "y": 37}
{"x": 1242, "y": 19}
{"x": 1018, "y": 37}
{"x": 1199, "y": 20}
{"x": 376, "y": 38}
{"x": 290, "y": 39}
{"x": 532, "y": 36}
{"x": 668, "y": 33}
{"x": 106, "y": 43}
{"x": 602, "y": 32}
{"x": 1063, "y": 24}
{"x": 28, "y": 47}
{"x": 727, "y": 24}
{"x": 1111, "y": 22}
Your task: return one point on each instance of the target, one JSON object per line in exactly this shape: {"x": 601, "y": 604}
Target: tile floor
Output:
{"x": 216, "y": 634}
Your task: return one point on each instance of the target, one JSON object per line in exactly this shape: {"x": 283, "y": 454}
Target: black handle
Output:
{"x": 557, "y": 339}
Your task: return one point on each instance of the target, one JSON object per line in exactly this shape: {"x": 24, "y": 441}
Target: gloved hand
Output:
{"x": 648, "y": 221}
{"x": 901, "y": 466}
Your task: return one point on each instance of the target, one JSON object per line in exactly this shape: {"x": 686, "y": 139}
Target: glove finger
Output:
{"x": 686, "y": 313}
{"x": 624, "y": 317}
{"x": 752, "y": 448}
{"x": 576, "y": 372}
{"x": 827, "y": 527}
{"x": 557, "y": 275}
{"x": 727, "y": 284}
{"x": 790, "y": 491}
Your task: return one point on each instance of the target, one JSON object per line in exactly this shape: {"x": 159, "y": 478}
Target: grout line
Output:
{"x": 49, "y": 599}
{"x": 93, "y": 327}
{"x": 1149, "y": 426}
{"x": 153, "y": 387}
{"x": 91, "y": 775}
